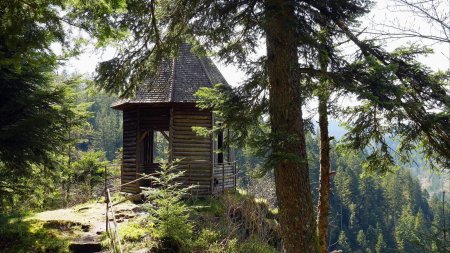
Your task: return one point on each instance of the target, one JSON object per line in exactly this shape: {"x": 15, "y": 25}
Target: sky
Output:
{"x": 386, "y": 12}
{"x": 381, "y": 13}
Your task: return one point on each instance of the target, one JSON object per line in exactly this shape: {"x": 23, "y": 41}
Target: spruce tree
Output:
{"x": 324, "y": 91}
{"x": 380, "y": 246}
{"x": 34, "y": 109}
{"x": 344, "y": 242}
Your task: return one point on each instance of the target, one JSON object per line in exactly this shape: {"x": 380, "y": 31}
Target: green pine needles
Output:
{"x": 169, "y": 216}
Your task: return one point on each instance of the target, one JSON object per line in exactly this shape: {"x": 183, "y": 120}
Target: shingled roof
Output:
{"x": 177, "y": 80}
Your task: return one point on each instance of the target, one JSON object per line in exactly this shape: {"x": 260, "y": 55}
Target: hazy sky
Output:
{"x": 86, "y": 63}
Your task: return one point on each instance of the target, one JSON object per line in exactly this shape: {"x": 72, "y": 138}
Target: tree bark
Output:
{"x": 324, "y": 188}
{"x": 296, "y": 214}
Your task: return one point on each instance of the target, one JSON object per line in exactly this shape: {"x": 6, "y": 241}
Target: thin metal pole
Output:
{"x": 212, "y": 178}
{"x": 117, "y": 236}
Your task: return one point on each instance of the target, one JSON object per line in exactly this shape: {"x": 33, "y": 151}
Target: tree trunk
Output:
{"x": 296, "y": 213}
{"x": 324, "y": 188}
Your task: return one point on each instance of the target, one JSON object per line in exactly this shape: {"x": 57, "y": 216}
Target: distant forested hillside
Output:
{"x": 381, "y": 214}
{"x": 369, "y": 212}
{"x": 106, "y": 123}
{"x": 433, "y": 181}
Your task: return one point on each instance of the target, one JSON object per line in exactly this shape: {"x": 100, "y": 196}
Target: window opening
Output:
{"x": 220, "y": 147}
{"x": 160, "y": 149}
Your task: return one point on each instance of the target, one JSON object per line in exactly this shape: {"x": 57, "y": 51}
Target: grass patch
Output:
{"x": 210, "y": 205}
{"x": 18, "y": 235}
{"x": 133, "y": 231}
{"x": 255, "y": 246}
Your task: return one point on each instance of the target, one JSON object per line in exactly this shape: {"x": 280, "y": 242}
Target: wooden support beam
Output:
{"x": 138, "y": 147}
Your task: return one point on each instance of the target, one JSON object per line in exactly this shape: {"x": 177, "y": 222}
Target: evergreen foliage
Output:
{"x": 169, "y": 216}
{"x": 40, "y": 115}
{"x": 37, "y": 137}
{"x": 371, "y": 212}
{"x": 33, "y": 111}
{"x": 106, "y": 123}
{"x": 379, "y": 214}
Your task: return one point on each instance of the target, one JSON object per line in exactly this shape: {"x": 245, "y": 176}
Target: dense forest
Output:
{"x": 369, "y": 212}
{"x": 393, "y": 209}
{"x": 306, "y": 63}
{"x": 92, "y": 141}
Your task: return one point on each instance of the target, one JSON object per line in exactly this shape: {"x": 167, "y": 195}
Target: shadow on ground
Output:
{"x": 20, "y": 235}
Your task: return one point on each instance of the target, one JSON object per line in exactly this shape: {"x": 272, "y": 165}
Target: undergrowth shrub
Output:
{"x": 253, "y": 217}
{"x": 206, "y": 238}
{"x": 169, "y": 221}
{"x": 134, "y": 235}
{"x": 254, "y": 245}
{"x": 235, "y": 222}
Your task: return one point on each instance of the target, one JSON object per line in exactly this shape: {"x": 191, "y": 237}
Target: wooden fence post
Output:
{"x": 107, "y": 211}
{"x": 105, "y": 177}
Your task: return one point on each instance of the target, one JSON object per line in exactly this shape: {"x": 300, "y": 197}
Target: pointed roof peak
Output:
{"x": 177, "y": 80}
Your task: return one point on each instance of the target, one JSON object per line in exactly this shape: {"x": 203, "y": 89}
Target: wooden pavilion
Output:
{"x": 158, "y": 125}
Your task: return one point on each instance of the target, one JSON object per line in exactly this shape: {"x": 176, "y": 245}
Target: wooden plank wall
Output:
{"x": 129, "y": 150}
{"x": 154, "y": 119}
{"x": 195, "y": 151}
